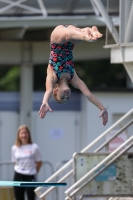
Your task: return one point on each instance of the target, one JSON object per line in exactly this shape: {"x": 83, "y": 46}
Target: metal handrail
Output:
{"x": 61, "y": 180}
{"x": 111, "y": 138}
{"x": 7, "y": 163}
{"x": 98, "y": 149}
{"x": 114, "y": 155}
{"x": 37, "y": 190}
{"x": 96, "y": 174}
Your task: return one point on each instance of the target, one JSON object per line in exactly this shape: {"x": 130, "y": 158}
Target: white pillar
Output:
{"x": 26, "y": 86}
{"x": 129, "y": 83}
{"x": 129, "y": 28}
{"x": 129, "y": 68}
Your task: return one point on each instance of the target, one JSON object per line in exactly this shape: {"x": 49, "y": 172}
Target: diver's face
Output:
{"x": 63, "y": 95}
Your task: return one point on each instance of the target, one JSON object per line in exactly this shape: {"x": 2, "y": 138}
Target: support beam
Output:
{"x": 26, "y": 86}
{"x": 124, "y": 11}
{"x": 11, "y": 4}
{"x": 42, "y": 7}
{"x": 129, "y": 83}
{"x": 118, "y": 57}
{"x": 97, "y": 13}
{"x": 129, "y": 29}
{"x": 122, "y": 19}
{"x": 18, "y": 4}
{"x": 107, "y": 19}
{"x": 126, "y": 58}
{"x": 129, "y": 68}
{"x": 122, "y": 52}
{"x": 50, "y": 22}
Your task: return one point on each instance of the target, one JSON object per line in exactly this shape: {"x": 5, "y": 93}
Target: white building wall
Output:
{"x": 119, "y": 103}
{"x": 61, "y": 133}
{"x": 8, "y": 129}
{"x": 57, "y": 135}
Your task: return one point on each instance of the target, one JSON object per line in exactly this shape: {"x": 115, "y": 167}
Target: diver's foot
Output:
{"x": 89, "y": 37}
{"x": 95, "y": 32}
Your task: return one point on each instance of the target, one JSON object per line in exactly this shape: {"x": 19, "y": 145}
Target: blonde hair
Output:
{"x": 54, "y": 95}
{"x": 56, "y": 99}
{"x": 18, "y": 141}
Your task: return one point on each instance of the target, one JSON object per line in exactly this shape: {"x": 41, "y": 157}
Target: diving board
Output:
{"x": 29, "y": 184}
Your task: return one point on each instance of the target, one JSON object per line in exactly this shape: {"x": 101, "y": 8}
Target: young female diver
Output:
{"x": 61, "y": 71}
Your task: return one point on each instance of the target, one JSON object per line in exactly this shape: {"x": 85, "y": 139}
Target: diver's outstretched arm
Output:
{"x": 78, "y": 83}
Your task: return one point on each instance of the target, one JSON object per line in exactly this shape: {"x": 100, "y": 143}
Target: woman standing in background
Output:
{"x": 27, "y": 159}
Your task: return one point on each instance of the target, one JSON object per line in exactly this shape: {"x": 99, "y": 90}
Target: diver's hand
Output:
{"x": 104, "y": 115}
{"x": 44, "y": 109}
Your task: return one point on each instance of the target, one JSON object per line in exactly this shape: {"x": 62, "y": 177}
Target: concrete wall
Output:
{"x": 119, "y": 103}
{"x": 62, "y": 133}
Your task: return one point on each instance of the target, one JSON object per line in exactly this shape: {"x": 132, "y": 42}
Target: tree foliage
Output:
{"x": 95, "y": 73}
{"x": 100, "y": 73}
{"x": 9, "y": 78}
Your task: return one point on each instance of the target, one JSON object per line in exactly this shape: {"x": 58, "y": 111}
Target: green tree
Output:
{"x": 9, "y": 79}
{"x": 101, "y": 73}
{"x": 95, "y": 73}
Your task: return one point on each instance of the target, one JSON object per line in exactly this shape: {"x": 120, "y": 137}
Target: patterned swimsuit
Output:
{"x": 61, "y": 59}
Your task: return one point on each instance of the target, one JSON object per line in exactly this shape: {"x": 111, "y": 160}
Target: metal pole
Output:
{"x": 129, "y": 28}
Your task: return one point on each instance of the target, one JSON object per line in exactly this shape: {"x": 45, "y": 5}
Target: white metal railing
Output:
{"x": 116, "y": 134}
{"x": 69, "y": 163}
{"x": 7, "y": 170}
{"x": 102, "y": 165}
